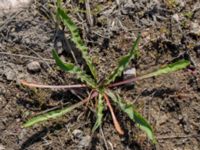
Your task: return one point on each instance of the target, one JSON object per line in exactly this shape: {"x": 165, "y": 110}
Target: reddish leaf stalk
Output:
{"x": 115, "y": 121}
{"x": 124, "y": 82}
{"x": 53, "y": 86}
{"x": 92, "y": 95}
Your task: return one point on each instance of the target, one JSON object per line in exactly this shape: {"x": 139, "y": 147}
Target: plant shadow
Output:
{"x": 158, "y": 92}
{"x": 37, "y": 137}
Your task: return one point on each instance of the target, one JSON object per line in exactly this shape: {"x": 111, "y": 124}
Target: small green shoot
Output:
{"x": 100, "y": 92}
{"x": 124, "y": 61}
{"x": 100, "y": 108}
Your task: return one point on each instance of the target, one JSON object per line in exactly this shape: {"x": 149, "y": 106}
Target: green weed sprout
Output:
{"x": 101, "y": 92}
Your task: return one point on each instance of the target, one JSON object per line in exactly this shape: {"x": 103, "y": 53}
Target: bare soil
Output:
{"x": 170, "y": 30}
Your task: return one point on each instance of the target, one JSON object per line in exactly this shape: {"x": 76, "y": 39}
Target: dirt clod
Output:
{"x": 195, "y": 28}
{"x": 85, "y": 141}
{"x": 2, "y": 147}
{"x": 10, "y": 74}
{"x": 34, "y": 67}
{"x": 77, "y": 133}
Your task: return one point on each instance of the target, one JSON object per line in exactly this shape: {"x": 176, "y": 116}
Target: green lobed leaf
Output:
{"x": 51, "y": 115}
{"x": 71, "y": 68}
{"x": 128, "y": 108}
{"x": 100, "y": 109}
{"x": 76, "y": 38}
{"x": 124, "y": 61}
{"x": 180, "y": 64}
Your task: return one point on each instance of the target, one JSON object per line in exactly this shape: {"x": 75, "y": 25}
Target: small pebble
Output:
{"x": 10, "y": 74}
{"x": 175, "y": 17}
{"x": 2, "y": 147}
{"x": 131, "y": 72}
{"x": 195, "y": 28}
{"x": 2, "y": 89}
{"x": 85, "y": 141}
{"x": 59, "y": 47}
{"x": 181, "y": 3}
{"x": 77, "y": 133}
{"x": 34, "y": 66}
{"x": 128, "y": 7}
